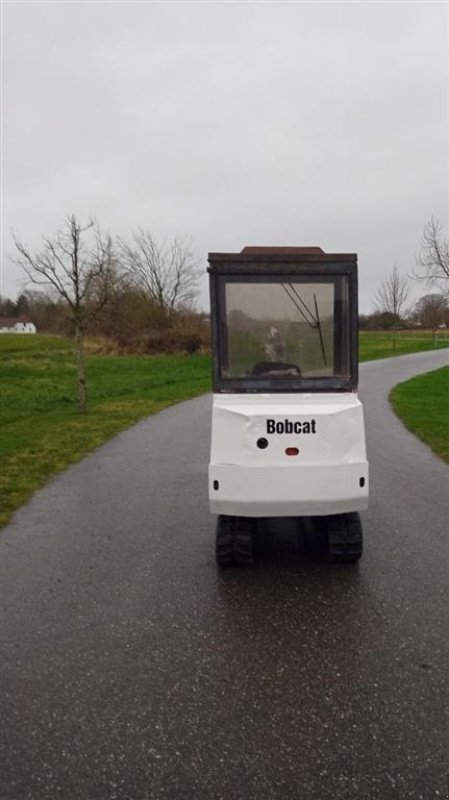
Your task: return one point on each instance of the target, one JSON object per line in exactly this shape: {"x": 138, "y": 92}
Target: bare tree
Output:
{"x": 432, "y": 310}
{"x": 432, "y": 262}
{"x": 168, "y": 274}
{"x": 74, "y": 261}
{"x": 391, "y": 297}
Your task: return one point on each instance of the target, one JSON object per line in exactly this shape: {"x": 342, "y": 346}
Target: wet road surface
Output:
{"x": 132, "y": 669}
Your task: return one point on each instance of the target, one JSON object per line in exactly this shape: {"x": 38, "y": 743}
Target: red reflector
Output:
{"x": 291, "y": 451}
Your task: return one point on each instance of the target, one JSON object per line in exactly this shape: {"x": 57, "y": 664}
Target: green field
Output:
{"x": 423, "y": 405}
{"x": 380, "y": 344}
{"x": 41, "y": 431}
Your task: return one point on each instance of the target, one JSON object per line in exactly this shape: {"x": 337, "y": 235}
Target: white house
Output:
{"x": 21, "y": 324}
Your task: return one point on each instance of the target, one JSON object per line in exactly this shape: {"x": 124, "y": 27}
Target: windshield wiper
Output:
{"x": 312, "y": 320}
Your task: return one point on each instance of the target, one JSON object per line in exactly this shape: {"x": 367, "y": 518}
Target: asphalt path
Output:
{"x": 132, "y": 669}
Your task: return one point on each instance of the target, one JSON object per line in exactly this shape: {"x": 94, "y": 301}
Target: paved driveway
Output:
{"x": 131, "y": 669}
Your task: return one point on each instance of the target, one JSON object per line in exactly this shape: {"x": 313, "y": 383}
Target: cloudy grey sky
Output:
{"x": 274, "y": 123}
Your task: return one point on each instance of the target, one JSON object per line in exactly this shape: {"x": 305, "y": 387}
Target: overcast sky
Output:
{"x": 270, "y": 123}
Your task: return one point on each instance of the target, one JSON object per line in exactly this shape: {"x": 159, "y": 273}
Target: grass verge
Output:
{"x": 422, "y": 405}
{"x": 41, "y": 431}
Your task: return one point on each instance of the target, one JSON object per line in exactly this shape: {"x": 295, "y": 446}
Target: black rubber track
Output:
{"x": 344, "y": 538}
{"x": 234, "y": 541}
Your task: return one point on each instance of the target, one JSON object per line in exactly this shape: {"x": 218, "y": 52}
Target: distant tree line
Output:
{"x": 431, "y": 312}
{"x": 17, "y": 308}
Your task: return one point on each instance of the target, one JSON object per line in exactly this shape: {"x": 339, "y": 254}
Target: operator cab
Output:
{"x": 284, "y": 320}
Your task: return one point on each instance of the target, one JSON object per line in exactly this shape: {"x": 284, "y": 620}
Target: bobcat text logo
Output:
{"x": 287, "y": 426}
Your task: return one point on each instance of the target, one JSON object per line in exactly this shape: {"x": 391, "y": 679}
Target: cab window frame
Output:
{"x": 345, "y": 319}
